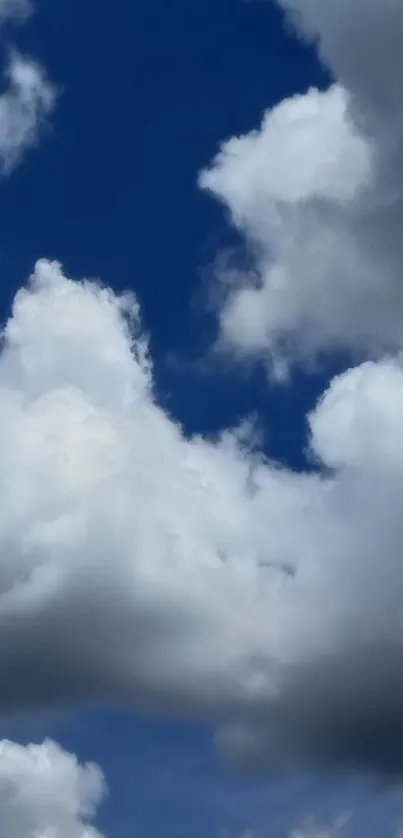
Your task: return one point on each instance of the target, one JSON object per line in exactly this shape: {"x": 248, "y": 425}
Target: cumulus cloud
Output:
{"x": 45, "y": 792}
{"x": 317, "y": 192}
{"x": 193, "y": 576}
{"x": 24, "y": 105}
{"x": 189, "y": 575}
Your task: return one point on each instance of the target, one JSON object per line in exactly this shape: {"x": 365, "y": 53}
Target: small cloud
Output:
{"x": 45, "y": 791}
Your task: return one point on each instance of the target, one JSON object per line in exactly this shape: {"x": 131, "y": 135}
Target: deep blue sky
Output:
{"x": 148, "y": 91}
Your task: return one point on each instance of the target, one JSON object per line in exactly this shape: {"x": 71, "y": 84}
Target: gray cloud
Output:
{"x": 142, "y": 566}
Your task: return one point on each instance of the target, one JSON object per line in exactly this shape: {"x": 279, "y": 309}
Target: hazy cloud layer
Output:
{"x": 17, "y": 10}
{"x": 318, "y": 193}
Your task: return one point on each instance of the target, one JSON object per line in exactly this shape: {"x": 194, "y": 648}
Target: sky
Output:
{"x": 201, "y": 401}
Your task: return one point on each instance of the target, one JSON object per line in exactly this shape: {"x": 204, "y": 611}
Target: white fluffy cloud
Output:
{"x": 146, "y": 566}
{"x": 318, "y": 194}
{"x": 46, "y": 793}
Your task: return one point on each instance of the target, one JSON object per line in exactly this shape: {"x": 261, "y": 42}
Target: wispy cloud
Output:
{"x": 28, "y": 96}
{"x": 23, "y": 108}
{"x": 16, "y": 10}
